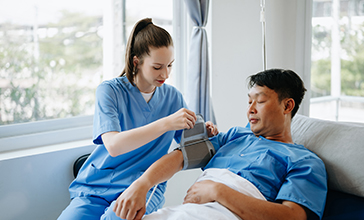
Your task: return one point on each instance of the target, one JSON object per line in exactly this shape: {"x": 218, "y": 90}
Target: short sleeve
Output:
{"x": 223, "y": 138}
{"x": 106, "y": 113}
{"x": 306, "y": 184}
{"x": 217, "y": 140}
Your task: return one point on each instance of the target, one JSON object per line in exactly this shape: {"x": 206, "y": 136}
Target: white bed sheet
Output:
{"x": 212, "y": 210}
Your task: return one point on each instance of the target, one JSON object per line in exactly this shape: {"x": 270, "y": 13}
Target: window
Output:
{"x": 51, "y": 59}
{"x": 53, "y": 55}
{"x": 337, "y": 70}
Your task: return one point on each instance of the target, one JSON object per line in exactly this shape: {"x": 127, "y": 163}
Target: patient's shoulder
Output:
{"x": 240, "y": 130}
{"x": 237, "y": 132}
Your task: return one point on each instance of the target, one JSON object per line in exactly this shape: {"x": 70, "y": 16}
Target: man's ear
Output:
{"x": 288, "y": 105}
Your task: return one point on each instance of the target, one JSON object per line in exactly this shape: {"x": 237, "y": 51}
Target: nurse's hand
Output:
{"x": 181, "y": 119}
{"x": 130, "y": 204}
{"x": 211, "y": 129}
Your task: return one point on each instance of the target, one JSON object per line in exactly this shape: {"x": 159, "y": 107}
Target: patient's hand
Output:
{"x": 131, "y": 203}
{"x": 201, "y": 192}
{"x": 211, "y": 129}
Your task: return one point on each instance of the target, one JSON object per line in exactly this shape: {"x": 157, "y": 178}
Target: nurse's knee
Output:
{"x": 84, "y": 208}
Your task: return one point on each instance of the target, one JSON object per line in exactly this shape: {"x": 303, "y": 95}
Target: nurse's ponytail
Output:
{"x": 143, "y": 36}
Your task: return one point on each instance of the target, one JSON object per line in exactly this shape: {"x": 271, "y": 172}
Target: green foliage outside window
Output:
{"x": 51, "y": 74}
{"x": 352, "y": 61}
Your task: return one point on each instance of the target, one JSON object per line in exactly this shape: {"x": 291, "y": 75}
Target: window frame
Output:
{"x": 29, "y": 135}
{"x": 47, "y": 132}
{"x": 181, "y": 34}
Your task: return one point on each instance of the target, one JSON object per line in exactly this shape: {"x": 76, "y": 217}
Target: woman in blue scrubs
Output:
{"x": 136, "y": 118}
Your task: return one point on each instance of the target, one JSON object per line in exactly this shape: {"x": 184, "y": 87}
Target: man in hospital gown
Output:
{"x": 256, "y": 173}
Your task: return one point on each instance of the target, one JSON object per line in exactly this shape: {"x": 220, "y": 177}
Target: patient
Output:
{"x": 256, "y": 173}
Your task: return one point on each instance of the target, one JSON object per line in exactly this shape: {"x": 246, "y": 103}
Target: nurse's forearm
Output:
{"x": 118, "y": 143}
{"x": 122, "y": 142}
{"x": 162, "y": 170}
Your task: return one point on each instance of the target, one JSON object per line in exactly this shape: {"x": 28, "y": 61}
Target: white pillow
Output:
{"x": 341, "y": 147}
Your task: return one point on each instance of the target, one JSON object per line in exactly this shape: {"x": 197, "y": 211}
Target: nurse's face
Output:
{"x": 155, "y": 68}
{"x": 265, "y": 112}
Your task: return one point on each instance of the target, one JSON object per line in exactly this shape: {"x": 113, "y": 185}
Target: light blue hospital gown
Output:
{"x": 119, "y": 107}
{"x": 279, "y": 170}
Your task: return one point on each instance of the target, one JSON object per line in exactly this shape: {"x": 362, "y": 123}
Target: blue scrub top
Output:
{"x": 279, "y": 170}
{"x": 119, "y": 107}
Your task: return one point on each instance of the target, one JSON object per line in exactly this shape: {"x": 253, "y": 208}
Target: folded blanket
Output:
{"x": 211, "y": 210}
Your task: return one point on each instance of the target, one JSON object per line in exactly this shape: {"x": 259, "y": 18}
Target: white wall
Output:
{"x": 35, "y": 185}
{"x": 236, "y": 50}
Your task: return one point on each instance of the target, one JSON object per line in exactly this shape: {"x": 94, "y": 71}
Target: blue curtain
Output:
{"x": 198, "y": 82}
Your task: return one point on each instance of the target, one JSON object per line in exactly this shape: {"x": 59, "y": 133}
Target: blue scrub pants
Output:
{"x": 82, "y": 208}
{"x": 95, "y": 208}
{"x": 89, "y": 208}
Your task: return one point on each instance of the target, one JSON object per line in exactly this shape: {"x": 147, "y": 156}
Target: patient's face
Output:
{"x": 265, "y": 112}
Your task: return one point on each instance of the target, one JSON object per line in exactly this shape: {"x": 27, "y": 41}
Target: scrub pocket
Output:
{"x": 97, "y": 180}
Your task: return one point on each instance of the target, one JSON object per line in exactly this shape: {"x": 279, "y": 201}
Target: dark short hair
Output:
{"x": 286, "y": 83}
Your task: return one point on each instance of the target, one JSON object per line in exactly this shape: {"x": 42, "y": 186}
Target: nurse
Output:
{"x": 136, "y": 118}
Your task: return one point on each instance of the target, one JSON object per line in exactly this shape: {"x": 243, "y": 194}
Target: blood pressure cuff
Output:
{"x": 195, "y": 146}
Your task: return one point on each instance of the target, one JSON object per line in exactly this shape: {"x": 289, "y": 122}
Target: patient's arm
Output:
{"x": 131, "y": 203}
{"x": 244, "y": 206}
